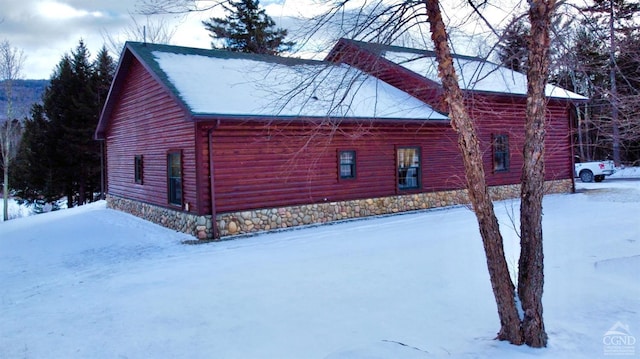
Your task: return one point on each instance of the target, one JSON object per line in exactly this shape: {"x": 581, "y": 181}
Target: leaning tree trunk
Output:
{"x": 503, "y": 288}
{"x": 531, "y": 266}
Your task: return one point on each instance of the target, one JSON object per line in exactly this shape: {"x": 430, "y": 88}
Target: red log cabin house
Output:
{"x": 215, "y": 143}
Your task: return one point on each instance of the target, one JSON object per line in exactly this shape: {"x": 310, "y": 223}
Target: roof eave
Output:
{"x": 581, "y": 99}
{"x": 203, "y": 117}
{"x": 377, "y": 49}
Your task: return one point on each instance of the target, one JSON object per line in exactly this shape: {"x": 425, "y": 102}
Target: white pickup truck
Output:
{"x": 593, "y": 171}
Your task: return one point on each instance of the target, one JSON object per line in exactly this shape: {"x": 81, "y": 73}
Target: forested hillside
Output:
{"x": 25, "y": 93}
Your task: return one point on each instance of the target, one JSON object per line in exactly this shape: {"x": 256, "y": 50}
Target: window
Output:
{"x": 347, "y": 164}
{"x": 138, "y": 169}
{"x": 408, "y": 167}
{"x": 174, "y": 174}
{"x": 501, "y": 153}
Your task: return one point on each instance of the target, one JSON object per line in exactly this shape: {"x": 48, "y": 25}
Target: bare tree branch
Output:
{"x": 154, "y": 29}
{"x": 11, "y": 63}
{"x": 155, "y": 7}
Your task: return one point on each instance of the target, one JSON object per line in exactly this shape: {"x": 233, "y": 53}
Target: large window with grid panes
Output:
{"x": 347, "y": 164}
{"x": 408, "y": 167}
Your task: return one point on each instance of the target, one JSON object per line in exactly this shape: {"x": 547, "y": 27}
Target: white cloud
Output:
{"x": 61, "y": 11}
{"x": 47, "y": 29}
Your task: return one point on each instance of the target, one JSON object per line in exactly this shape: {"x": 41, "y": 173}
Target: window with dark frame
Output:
{"x": 347, "y": 164}
{"x": 138, "y": 169}
{"x": 500, "y": 153}
{"x": 408, "y": 163}
{"x": 174, "y": 174}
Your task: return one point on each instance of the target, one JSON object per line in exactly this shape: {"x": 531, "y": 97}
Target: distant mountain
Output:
{"x": 25, "y": 94}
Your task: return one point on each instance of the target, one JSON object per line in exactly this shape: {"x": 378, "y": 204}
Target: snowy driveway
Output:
{"x": 90, "y": 282}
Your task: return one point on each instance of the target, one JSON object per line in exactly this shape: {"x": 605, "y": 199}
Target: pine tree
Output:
{"x": 104, "y": 70}
{"x": 625, "y": 12}
{"x": 86, "y": 159}
{"x": 59, "y": 155}
{"x": 247, "y": 29}
{"x": 584, "y": 71}
{"x": 618, "y": 18}
{"x": 33, "y": 175}
{"x": 59, "y": 108}
{"x": 73, "y": 102}
{"x": 512, "y": 48}
{"x": 628, "y": 77}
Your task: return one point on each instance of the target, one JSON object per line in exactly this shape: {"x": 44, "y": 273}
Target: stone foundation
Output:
{"x": 292, "y": 216}
{"x": 245, "y": 222}
{"x": 197, "y": 226}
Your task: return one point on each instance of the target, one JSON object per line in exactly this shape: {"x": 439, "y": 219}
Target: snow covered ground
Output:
{"x": 91, "y": 282}
{"x": 15, "y": 209}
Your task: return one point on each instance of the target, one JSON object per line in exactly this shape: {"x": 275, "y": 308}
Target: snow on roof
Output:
{"x": 475, "y": 74}
{"x": 217, "y": 83}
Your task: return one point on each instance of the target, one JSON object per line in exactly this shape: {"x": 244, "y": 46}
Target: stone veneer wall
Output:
{"x": 286, "y": 217}
{"x": 197, "y": 226}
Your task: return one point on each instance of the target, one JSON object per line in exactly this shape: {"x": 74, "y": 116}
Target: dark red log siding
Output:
{"x": 501, "y": 115}
{"x": 259, "y": 165}
{"x": 493, "y": 114}
{"x": 559, "y": 153}
{"x": 263, "y": 166}
{"x": 147, "y": 121}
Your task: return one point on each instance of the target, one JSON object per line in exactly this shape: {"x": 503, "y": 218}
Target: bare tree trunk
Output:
{"x": 82, "y": 191}
{"x": 5, "y": 195}
{"x": 503, "y": 288}
{"x": 5, "y": 142}
{"x": 580, "y": 133}
{"x": 587, "y": 126}
{"x": 531, "y": 263}
{"x": 10, "y": 136}
{"x": 11, "y": 61}
{"x": 69, "y": 197}
{"x": 615, "y": 121}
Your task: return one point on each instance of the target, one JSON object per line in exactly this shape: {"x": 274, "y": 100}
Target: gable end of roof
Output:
{"x": 134, "y": 51}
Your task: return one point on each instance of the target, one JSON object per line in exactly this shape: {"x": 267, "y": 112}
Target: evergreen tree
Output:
{"x": 58, "y": 155}
{"x": 512, "y": 48}
{"x": 86, "y": 161}
{"x": 590, "y": 61}
{"x": 247, "y": 29}
{"x": 628, "y": 77}
{"x": 584, "y": 71}
{"x": 104, "y": 70}
{"x": 615, "y": 20}
{"x": 624, "y": 12}
{"x": 59, "y": 108}
{"x": 73, "y": 102}
{"x": 33, "y": 175}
